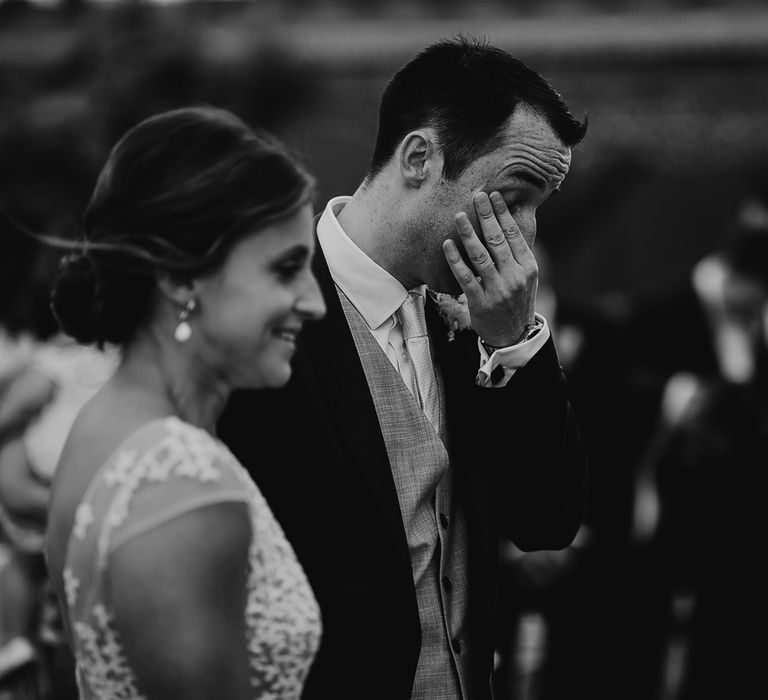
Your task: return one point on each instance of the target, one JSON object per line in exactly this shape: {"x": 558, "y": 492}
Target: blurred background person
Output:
{"x": 37, "y": 409}
{"x": 641, "y": 606}
{"x": 588, "y": 621}
{"x": 24, "y": 316}
{"x": 706, "y": 466}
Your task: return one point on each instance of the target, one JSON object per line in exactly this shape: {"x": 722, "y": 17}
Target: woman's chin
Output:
{"x": 274, "y": 378}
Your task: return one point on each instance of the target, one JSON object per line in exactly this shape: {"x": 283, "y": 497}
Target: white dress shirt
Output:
{"x": 377, "y": 295}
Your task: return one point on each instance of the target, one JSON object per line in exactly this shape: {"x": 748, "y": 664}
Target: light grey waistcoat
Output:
{"x": 434, "y": 526}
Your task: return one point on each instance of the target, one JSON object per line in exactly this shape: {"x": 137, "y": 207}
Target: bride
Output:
{"x": 174, "y": 579}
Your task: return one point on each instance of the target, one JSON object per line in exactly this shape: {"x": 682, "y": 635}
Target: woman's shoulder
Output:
{"x": 158, "y": 469}
{"x": 161, "y": 471}
{"x": 168, "y": 487}
{"x": 168, "y": 449}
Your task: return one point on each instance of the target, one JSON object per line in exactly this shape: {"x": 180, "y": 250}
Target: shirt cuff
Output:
{"x": 497, "y": 369}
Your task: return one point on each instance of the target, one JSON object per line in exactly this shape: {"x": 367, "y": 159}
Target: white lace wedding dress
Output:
{"x": 167, "y": 468}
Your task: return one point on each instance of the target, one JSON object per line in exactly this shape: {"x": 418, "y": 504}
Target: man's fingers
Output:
{"x": 477, "y": 254}
{"x": 464, "y": 276}
{"x": 491, "y": 228}
{"x": 512, "y": 234}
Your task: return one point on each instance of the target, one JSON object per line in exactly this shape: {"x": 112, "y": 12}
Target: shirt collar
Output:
{"x": 372, "y": 290}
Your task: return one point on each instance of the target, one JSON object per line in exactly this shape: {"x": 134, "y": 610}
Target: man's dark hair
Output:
{"x": 465, "y": 89}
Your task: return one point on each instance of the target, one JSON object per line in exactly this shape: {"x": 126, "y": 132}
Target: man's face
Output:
{"x": 526, "y": 169}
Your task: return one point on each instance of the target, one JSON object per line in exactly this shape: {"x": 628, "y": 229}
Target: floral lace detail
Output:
{"x": 83, "y": 520}
{"x": 282, "y": 616}
{"x": 71, "y": 584}
{"x": 101, "y": 660}
{"x": 180, "y": 452}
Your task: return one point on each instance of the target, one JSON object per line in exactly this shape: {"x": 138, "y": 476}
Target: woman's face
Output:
{"x": 252, "y": 308}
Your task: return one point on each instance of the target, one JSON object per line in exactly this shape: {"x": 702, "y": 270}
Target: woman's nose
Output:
{"x": 311, "y": 303}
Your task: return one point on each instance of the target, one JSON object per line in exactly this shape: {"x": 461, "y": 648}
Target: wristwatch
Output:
{"x": 530, "y": 331}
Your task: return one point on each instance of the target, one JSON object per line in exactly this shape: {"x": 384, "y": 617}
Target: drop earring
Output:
{"x": 183, "y": 331}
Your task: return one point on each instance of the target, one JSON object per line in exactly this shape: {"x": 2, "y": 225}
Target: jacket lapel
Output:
{"x": 332, "y": 355}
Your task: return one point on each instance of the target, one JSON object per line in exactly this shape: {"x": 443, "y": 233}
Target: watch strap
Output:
{"x": 530, "y": 331}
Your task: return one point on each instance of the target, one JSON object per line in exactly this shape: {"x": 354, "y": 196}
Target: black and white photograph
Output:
{"x": 383, "y": 349}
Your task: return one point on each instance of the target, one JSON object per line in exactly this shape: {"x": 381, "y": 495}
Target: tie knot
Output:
{"x": 411, "y": 316}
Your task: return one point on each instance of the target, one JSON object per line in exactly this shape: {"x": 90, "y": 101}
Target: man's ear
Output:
{"x": 418, "y": 157}
{"x": 176, "y": 288}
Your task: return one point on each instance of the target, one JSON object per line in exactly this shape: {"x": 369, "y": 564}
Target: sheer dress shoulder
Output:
{"x": 166, "y": 469}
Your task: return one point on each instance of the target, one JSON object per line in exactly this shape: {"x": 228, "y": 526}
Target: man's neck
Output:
{"x": 371, "y": 220}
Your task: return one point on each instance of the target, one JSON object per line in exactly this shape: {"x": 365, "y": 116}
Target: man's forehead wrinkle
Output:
{"x": 538, "y": 138}
{"x": 546, "y": 153}
{"x": 552, "y": 165}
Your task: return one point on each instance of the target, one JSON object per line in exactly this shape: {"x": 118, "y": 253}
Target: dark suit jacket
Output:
{"x": 316, "y": 451}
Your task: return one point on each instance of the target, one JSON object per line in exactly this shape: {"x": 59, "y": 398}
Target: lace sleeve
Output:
{"x": 183, "y": 470}
{"x": 136, "y": 526}
{"x": 164, "y": 471}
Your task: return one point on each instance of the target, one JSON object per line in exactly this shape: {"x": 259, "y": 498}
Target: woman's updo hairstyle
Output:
{"x": 176, "y": 193}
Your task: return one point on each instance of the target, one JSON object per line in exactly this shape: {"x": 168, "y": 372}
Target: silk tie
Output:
{"x": 414, "y": 326}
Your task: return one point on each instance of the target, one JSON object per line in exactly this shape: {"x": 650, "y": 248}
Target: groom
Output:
{"x": 416, "y": 430}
